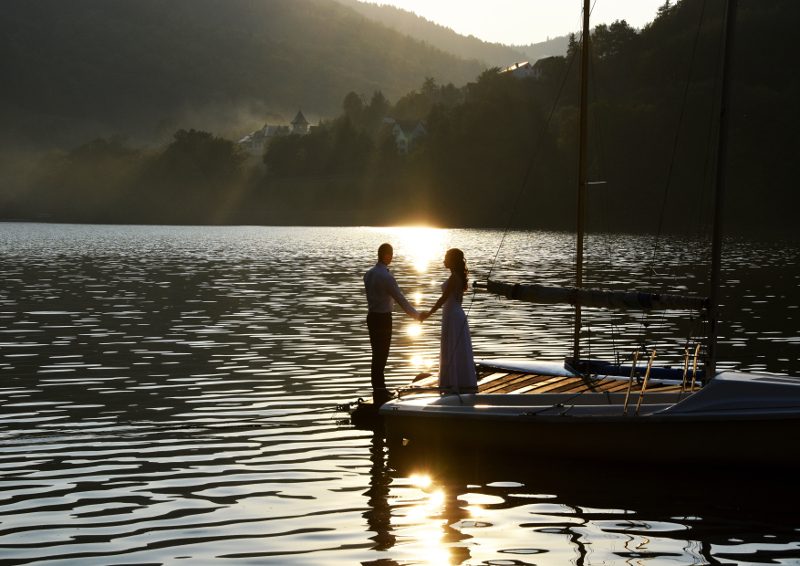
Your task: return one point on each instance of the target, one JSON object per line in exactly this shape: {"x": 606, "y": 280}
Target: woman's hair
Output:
{"x": 459, "y": 263}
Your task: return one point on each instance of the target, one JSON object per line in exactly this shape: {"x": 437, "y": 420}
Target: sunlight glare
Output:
{"x": 429, "y": 507}
{"x": 437, "y": 498}
{"x": 419, "y": 361}
{"x": 420, "y": 481}
{"x": 414, "y": 329}
{"x": 420, "y": 246}
{"x": 432, "y": 538}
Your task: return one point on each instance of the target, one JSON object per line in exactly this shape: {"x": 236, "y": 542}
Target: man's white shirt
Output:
{"x": 382, "y": 292}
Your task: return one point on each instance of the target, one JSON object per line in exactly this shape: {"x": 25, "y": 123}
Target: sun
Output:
{"x": 420, "y": 246}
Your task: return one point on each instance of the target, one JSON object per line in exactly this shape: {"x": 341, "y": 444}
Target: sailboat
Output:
{"x": 587, "y": 410}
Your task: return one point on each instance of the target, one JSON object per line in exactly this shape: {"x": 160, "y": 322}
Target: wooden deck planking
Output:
{"x": 556, "y": 385}
{"x": 526, "y": 380}
{"x": 501, "y": 385}
{"x": 584, "y": 385}
{"x": 620, "y": 386}
{"x": 546, "y": 382}
{"x": 530, "y": 384}
{"x": 485, "y": 381}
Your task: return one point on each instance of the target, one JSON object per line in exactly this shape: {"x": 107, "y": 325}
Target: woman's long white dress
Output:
{"x": 456, "y": 363}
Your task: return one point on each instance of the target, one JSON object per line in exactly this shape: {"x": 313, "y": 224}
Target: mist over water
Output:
{"x": 169, "y": 394}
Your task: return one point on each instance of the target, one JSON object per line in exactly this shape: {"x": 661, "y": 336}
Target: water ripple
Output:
{"x": 169, "y": 394}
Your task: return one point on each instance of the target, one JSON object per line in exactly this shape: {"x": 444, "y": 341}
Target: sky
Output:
{"x": 522, "y": 22}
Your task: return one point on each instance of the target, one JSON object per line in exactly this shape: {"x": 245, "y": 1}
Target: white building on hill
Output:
{"x": 299, "y": 124}
{"x": 525, "y": 70}
{"x": 257, "y": 142}
{"x": 405, "y": 132}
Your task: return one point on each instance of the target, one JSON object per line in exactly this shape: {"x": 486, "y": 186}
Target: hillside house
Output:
{"x": 525, "y": 70}
{"x": 405, "y": 132}
{"x": 257, "y": 142}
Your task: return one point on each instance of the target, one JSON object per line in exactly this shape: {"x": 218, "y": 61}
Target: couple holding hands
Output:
{"x": 456, "y": 363}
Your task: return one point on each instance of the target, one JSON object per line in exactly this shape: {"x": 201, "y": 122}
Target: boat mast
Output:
{"x": 719, "y": 191}
{"x": 576, "y": 356}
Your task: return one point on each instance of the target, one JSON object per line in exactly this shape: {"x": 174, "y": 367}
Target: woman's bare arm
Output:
{"x": 449, "y": 288}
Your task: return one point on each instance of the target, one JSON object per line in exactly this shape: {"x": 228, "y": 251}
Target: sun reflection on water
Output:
{"x": 414, "y": 329}
{"x": 419, "y": 361}
{"x": 432, "y": 521}
{"x": 420, "y": 481}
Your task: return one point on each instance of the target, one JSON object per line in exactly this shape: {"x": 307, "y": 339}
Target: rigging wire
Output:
{"x": 531, "y": 163}
{"x": 604, "y": 215}
{"x": 703, "y": 223}
{"x": 538, "y": 147}
{"x": 532, "y": 160}
{"x": 677, "y": 134}
{"x": 672, "y": 164}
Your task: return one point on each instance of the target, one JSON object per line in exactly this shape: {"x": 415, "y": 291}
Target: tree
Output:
{"x": 429, "y": 86}
{"x": 377, "y": 109}
{"x": 353, "y": 106}
{"x": 608, "y": 41}
{"x": 198, "y": 156}
{"x": 450, "y": 95}
{"x": 573, "y": 46}
{"x": 665, "y": 9}
{"x": 351, "y": 148}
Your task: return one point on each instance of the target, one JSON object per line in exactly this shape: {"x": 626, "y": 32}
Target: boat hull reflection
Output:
{"x": 762, "y": 491}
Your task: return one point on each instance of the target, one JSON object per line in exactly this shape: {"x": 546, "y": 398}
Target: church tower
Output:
{"x": 299, "y": 124}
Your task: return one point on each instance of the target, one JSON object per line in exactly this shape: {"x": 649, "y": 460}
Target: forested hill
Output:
{"x": 505, "y": 145}
{"x": 78, "y": 69}
{"x": 468, "y": 47}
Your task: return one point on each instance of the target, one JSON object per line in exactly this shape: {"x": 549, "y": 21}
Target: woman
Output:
{"x": 456, "y": 364}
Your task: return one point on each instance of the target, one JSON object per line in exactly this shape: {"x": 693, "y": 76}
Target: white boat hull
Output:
{"x": 740, "y": 419}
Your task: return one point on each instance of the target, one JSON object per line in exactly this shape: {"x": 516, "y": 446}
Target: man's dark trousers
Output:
{"x": 380, "y": 338}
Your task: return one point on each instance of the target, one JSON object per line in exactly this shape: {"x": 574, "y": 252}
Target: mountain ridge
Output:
{"x": 467, "y": 47}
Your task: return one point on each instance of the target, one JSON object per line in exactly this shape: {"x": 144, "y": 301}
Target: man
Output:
{"x": 382, "y": 292}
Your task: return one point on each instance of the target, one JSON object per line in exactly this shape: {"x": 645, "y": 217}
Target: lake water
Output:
{"x": 168, "y": 396}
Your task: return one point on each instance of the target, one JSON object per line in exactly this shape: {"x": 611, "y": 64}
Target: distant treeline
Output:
{"x": 499, "y": 146}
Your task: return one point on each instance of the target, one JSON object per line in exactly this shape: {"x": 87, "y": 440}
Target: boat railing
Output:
{"x": 644, "y": 384}
{"x": 630, "y": 383}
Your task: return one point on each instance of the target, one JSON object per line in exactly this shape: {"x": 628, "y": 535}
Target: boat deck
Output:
{"x": 364, "y": 414}
{"x": 498, "y": 381}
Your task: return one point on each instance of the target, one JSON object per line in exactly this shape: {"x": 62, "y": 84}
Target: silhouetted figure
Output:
{"x": 382, "y": 292}
{"x": 456, "y": 362}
